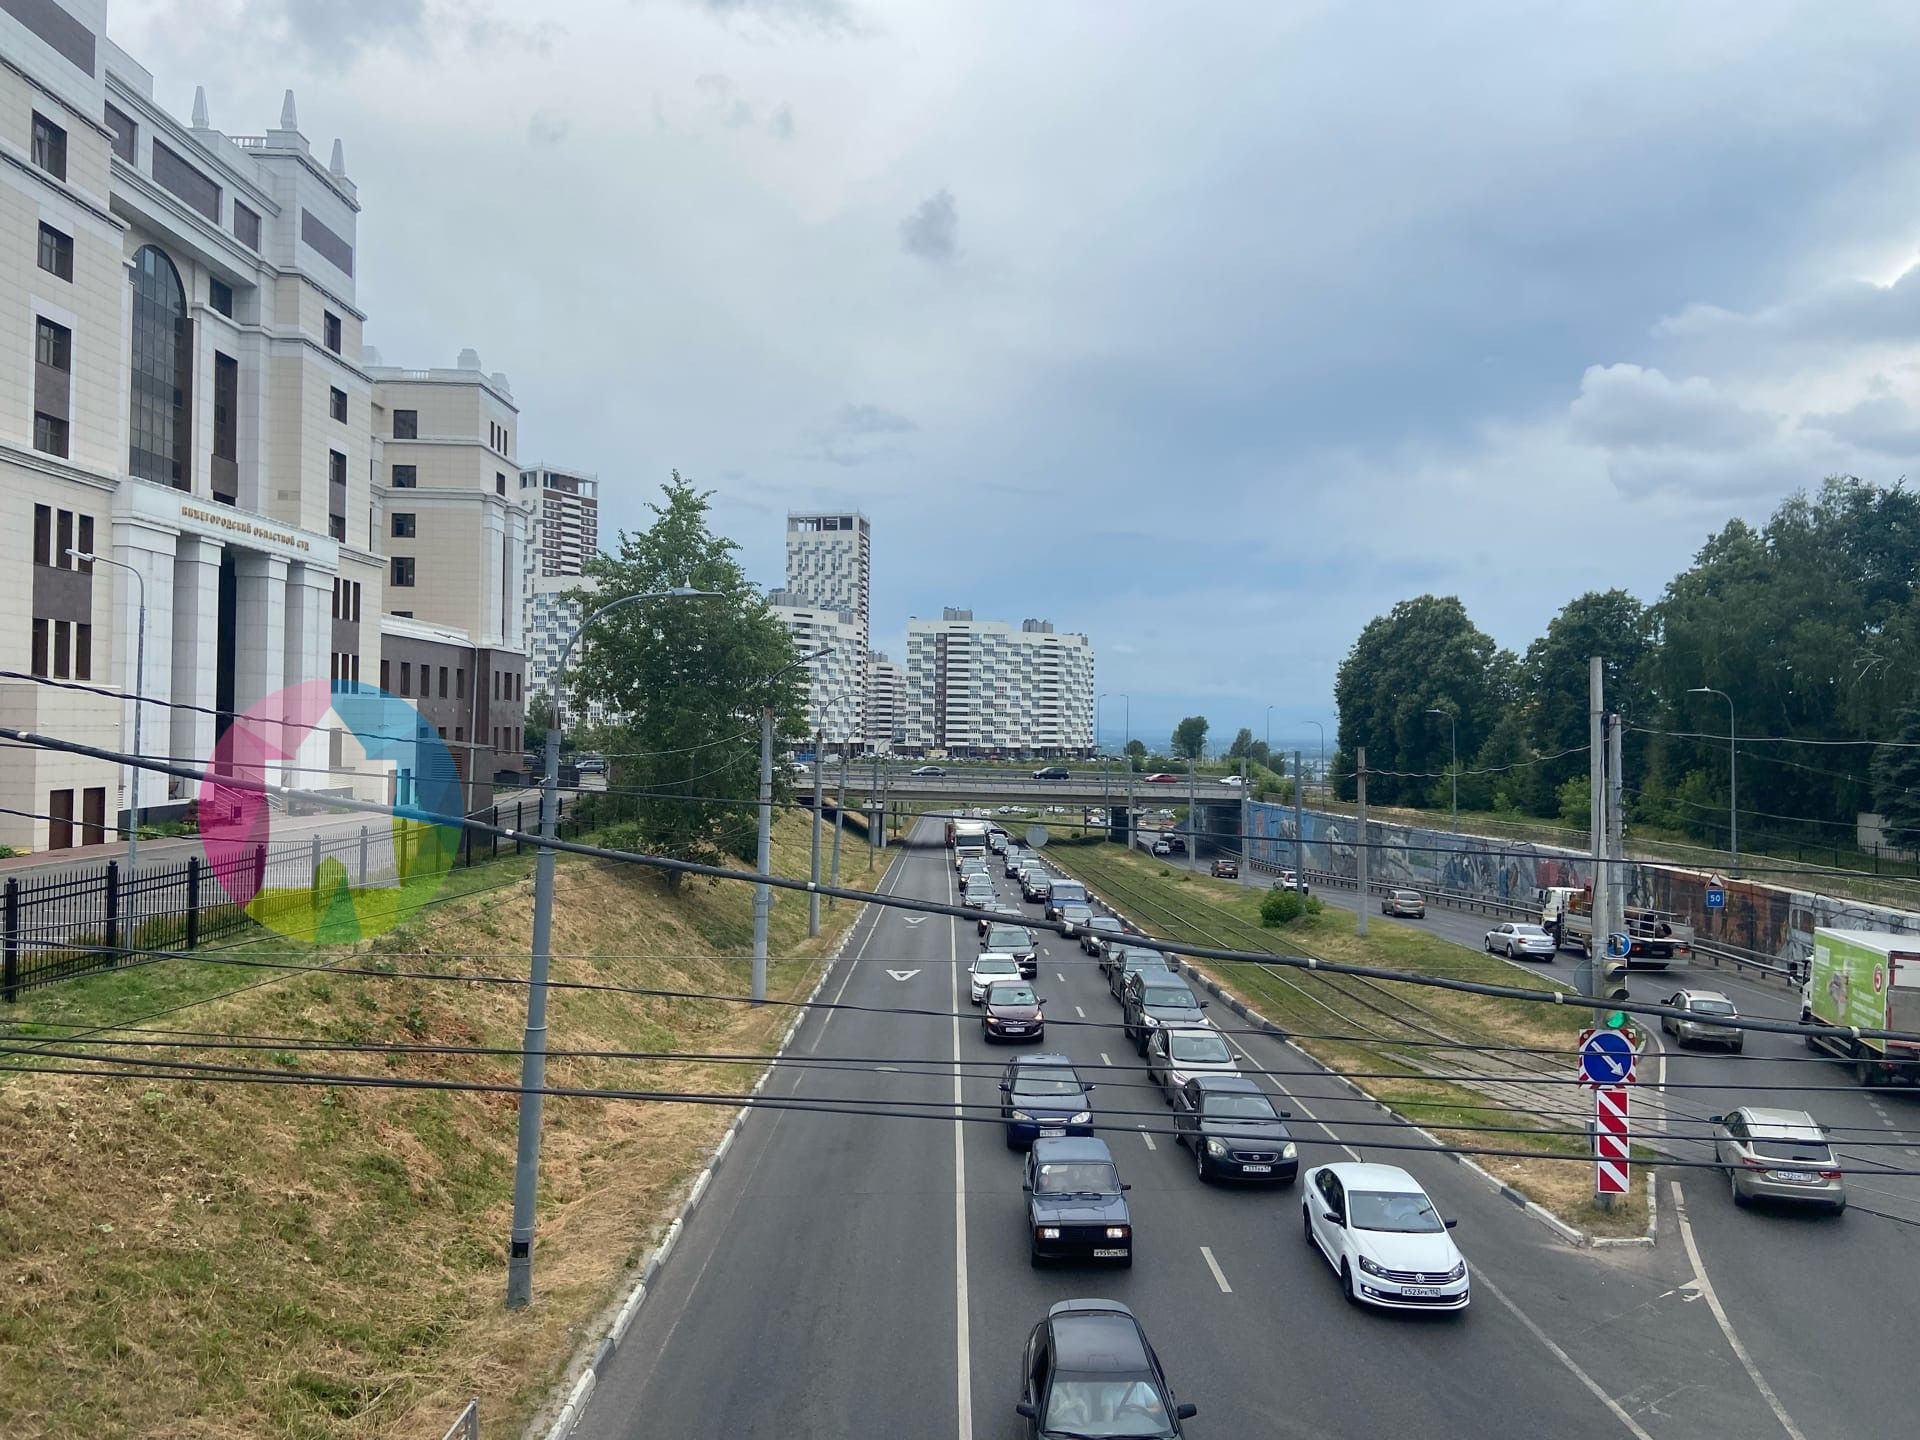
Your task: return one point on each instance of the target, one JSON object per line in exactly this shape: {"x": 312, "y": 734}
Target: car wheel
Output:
{"x": 1346, "y": 1284}
{"x": 1509, "y": 950}
{"x": 1733, "y": 1188}
{"x": 1306, "y": 1225}
{"x": 1736, "y": 1047}
{"x": 1488, "y": 945}
{"x": 1200, "y": 1163}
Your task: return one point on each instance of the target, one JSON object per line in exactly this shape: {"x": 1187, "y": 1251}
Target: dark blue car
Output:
{"x": 1076, "y": 1205}
{"x": 1042, "y": 1096}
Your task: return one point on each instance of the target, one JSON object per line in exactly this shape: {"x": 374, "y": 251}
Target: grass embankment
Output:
{"x": 195, "y": 1259}
{"x": 1182, "y": 905}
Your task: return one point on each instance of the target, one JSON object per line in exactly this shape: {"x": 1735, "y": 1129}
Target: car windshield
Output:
{"x": 1096, "y": 1177}
{"x": 1241, "y": 1107}
{"x": 1398, "y": 1212}
{"x": 995, "y": 966}
{"x": 1026, "y": 1084}
{"x": 1712, "y": 1007}
{"x": 1200, "y": 1048}
{"x": 1180, "y": 999}
{"x": 1007, "y": 937}
{"x": 1105, "y": 1407}
{"x": 1011, "y": 995}
{"x": 1803, "y": 1152}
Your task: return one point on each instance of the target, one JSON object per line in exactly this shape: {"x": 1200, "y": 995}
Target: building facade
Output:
{"x": 981, "y": 687}
{"x": 830, "y": 571}
{"x": 472, "y": 695}
{"x": 565, "y": 534}
{"x": 886, "y": 704}
{"x": 186, "y": 400}
{"x": 836, "y": 679}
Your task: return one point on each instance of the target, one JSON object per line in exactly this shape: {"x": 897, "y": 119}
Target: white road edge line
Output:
{"x": 1726, "y": 1326}
{"x": 1480, "y": 1282}
{"x": 1214, "y": 1265}
{"x": 963, "y": 1336}
{"x": 852, "y": 965}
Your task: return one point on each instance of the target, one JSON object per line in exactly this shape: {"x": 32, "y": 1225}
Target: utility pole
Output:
{"x": 1360, "y": 796}
{"x": 1193, "y": 802}
{"x": 1299, "y": 825}
{"x": 1585, "y": 972}
{"x": 762, "y": 894}
{"x": 1246, "y": 817}
{"x": 813, "y": 874}
{"x": 873, "y": 794}
{"x": 839, "y": 810}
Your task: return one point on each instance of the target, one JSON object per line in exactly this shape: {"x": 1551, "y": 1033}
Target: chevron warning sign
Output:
{"x": 1610, "y": 1139}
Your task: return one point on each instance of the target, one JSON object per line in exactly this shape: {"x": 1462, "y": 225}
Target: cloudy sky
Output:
{"x": 1211, "y": 330}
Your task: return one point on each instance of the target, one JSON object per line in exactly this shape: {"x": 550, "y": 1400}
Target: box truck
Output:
{"x": 1865, "y": 980}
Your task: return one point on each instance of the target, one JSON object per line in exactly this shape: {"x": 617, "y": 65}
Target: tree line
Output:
{"x": 1809, "y": 625}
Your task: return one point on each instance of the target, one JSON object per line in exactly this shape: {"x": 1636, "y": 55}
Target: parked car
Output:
{"x": 1041, "y": 1097}
{"x": 1234, "y": 1131}
{"x": 1409, "y": 904}
{"x": 1290, "y": 880}
{"x": 1151, "y": 999}
{"x": 1383, "y": 1238}
{"x": 933, "y": 771}
{"x": 987, "y": 968}
{"x": 1100, "y": 931}
{"x": 1012, "y": 1011}
{"x": 1014, "y": 940}
{"x": 1708, "y": 1020}
{"x": 1176, "y": 1056}
{"x": 1518, "y": 940}
{"x": 1131, "y": 960}
{"x": 1052, "y": 772}
{"x": 1076, "y": 1204}
{"x": 1226, "y": 869}
{"x": 1778, "y": 1155}
{"x": 1088, "y": 1371}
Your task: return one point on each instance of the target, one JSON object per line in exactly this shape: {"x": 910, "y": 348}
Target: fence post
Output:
{"x": 493, "y": 840}
{"x": 10, "y": 918}
{"x": 193, "y": 902}
{"x": 519, "y": 820}
{"x": 259, "y": 868}
{"x": 113, "y": 905}
{"x": 363, "y": 857}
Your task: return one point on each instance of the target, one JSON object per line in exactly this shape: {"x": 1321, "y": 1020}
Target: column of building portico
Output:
{"x": 259, "y": 651}
{"x": 309, "y": 636}
{"x": 195, "y": 658}
{"x": 148, "y": 549}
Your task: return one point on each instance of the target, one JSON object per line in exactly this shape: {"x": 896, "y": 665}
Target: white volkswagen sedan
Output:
{"x": 1384, "y": 1239}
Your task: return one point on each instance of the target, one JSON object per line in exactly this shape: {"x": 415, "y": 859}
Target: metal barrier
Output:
{"x": 467, "y": 1426}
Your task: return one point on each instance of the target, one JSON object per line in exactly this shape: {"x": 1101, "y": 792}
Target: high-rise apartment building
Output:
{"x": 565, "y": 535}
{"x": 886, "y": 703}
{"x": 827, "y": 596}
{"x": 836, "y": 680}
{"x": 977, "y": 687}
{"x": 194, "y": 408}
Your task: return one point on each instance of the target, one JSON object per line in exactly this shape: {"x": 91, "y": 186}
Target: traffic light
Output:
{"x": 1613, "y": 981}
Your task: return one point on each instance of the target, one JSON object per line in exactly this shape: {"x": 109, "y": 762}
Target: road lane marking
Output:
{"x": 1295, "y": 1100}
{"x": 905, "y": 974}
{"x": 1078, "y": 1011}
{"x": 1058, "y": 976}
{"x": 889, "y": 882}
{"x": 1480, "y": 1282}
{"x": 1105, "y": 1061}
{"x": 1214, "y": 1265}
{"x": 963, "y": 1326}
{"x": 1148, "y": 1138}
{"x": 1726, "y": 1326}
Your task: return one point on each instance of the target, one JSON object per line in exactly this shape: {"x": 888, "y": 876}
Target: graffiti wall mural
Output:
{"x": 1770, "y": 919}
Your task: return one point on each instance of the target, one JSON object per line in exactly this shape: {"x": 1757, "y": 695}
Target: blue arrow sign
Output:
{"x": 1606, "y": 1058}
{"x": 1716, "y": 898}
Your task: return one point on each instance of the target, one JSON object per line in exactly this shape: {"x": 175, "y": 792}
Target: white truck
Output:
{"x": 969, "y": 839}
{"x": 1657, "y": 937}
{"x": 1864, "y": 980}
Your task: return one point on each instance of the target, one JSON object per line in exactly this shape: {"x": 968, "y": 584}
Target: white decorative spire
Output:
{"x": 289, "y": 119}
{"x": 200, "y": 121}
{"x": 338, "y": 165}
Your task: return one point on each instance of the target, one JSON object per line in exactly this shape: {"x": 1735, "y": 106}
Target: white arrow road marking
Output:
{"x": 903, "y": 974}
{"x": 915, "y": 919}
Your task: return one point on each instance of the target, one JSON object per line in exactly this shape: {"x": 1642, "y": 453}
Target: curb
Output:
{"x": 591, "y": 1362}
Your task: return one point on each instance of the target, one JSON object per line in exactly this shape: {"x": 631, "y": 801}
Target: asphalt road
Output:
{"x": 857, "y": 1275}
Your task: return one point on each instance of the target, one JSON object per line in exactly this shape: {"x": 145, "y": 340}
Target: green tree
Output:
{"x": 1260, "y": 754}
{"x": 1242, "y": 746}
{"x": 1555, "y": 684}
{"x": 1896, "y": 782}
{"x": 686, "y": 681}
{"x": 1190, "y": 737}
{"x": 1136, "y": 752}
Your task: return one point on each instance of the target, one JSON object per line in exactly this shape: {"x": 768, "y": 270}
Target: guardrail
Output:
{"x": 467, "y": 1425}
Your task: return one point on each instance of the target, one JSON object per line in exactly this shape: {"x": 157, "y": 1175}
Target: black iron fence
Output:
{"x": 84, "y": 921}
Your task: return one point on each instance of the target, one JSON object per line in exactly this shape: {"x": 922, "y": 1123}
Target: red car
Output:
{"x": 1163, "y": 779}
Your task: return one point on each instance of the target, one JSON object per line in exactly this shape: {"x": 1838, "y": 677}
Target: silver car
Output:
{"x": 1520, "y": 941}
{"x": 1708, "y": 1021}
{"x": 1409, "y": 903}
{"x": 1176, "y": 1056}
{"x": 1778, "y": 1155}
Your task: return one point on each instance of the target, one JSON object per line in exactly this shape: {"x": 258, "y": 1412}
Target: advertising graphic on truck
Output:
{"x": 1865, "y": 980}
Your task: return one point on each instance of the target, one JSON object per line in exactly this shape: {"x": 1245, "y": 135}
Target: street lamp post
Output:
{"x": 1323, "y": 758}
{"x": 1269, "y": 733}
{"x": 139, "y": 698}
{"x": 1453, "y": 725}
{"x": 533, "y": 1057}
{"x": 1733, "y": 777}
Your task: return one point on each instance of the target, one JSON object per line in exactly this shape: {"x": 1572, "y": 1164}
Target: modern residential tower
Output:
{"x": 982, "y": 687}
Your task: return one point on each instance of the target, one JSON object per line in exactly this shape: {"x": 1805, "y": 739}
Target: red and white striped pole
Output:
{"x": 1610, "y": 1142}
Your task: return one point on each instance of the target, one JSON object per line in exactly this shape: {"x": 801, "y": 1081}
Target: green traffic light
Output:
{"x": 1617, "y": 1019}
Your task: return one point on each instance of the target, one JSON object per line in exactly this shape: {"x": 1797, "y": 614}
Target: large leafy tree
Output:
{"x": 1189, "y": 736}
{"x": 1554, "y": 690}
{"x": 1896, "y": 782}
{"x": 686, "y": 680}
{"x": 1242, "y": 744}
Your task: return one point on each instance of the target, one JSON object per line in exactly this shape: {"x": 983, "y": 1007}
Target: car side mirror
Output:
{"x": 1286, "y": 1114}
{"x": 1027, "y": 1409}
{"x": 1333, "y": 1219}
{"x": 1716, "y": 1119}
{"x": 1206, "y": 1004}
{"x": 1450, "y": 1223}
{"x": 1005, "y": 1086}
{"x": 1186, "y": 1410}
{"x": 1086, "y": 1087}
{"x": 1125, "y": 1185}
{"x": 1826, "y": 1129}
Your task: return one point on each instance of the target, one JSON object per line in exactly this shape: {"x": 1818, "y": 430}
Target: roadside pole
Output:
{"x": 1246, "y": 818}
{"x": 839, "y": 810}
{"x": 1299, "y": 826}
{"x": 762, "y": 895}
{"x": 1584, "y": 970}
{"x": 1193, "y": 805}
{"x": 1360, "y": 841}
{"x": 813, "y": 871}
{"x": 873, "y": 793}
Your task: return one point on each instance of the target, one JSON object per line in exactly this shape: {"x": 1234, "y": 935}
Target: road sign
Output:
{"x": 1716, "y": 898}
{"x": 1610, "y": 1142}
{"x": 1606, "y": 1058}
{"x": 1619, "y": 945}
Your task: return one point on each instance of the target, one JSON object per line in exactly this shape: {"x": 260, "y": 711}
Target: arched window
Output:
{"x": 162, "y": 373}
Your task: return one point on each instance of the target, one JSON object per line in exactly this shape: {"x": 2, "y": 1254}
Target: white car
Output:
{"x": 1231, "y": 780}
{"x": 991, "y": 966}
{"x": 1518, "y": 940}
{"x": 1176, "y": 1056}
{"x": 1383, "y": 1238}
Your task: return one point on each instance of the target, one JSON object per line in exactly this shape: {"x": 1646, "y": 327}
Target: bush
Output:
{"x": 1283, "y": 907}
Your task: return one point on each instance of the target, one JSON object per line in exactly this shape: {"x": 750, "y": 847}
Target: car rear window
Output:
{"x": 1803, "y": 1152}
{"x": 1712, "y": 1007}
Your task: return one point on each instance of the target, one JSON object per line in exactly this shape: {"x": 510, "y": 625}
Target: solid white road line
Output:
{"x": 887, "y": 888}
{"x": 963, "y": 1334}
{"x": 1480, "y": 1282}
{"x": 1726, "y": 1326}
{"x": 1214, "y": 1265}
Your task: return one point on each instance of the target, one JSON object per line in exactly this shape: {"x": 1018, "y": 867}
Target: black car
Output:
{"x": 1129, "y": 960}
{"x": 1089, "y": 1372}
{"x": 1076, "y": 1205}
{"x": 1052, "y": 772}
{"x": 1042, "y": 1097}
{"x": 1151, "y": 999}
{"x": 1234, "y": 1131}
{"x": 1016, "y": 941}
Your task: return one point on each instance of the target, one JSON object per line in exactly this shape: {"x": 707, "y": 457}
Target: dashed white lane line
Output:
{"x": 1148, "y": 1138}
{"x": 1078, "y": 1011}
{"x": 1058, "y": 976}
{"x": 1296, "y": 1102}
{"x": 1214, "y": 1265}
{"x": 872, "y": 930}
{"x": 1105, "y": 1061}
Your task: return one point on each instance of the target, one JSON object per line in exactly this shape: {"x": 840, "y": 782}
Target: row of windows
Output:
{"x": 497, "y": 438}
{"x": 55, "y": 532}
{"x": 344, "y": 670}
{"x": 93, "y": 818}
{"x": 459, "y": 674}
{"x": 346, "y": 601}
{"x": 63, "y": 649}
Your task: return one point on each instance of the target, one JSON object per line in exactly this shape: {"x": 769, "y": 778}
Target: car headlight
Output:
{"x": 1216, "y": 1147}
{"x": 1084, "y": 1117}
{"x": 1116, "y": 1232}
{"x": 1458, "y": 1272}
{"x": 1290, "y": 1151}
{"x": 1049, "y": 1232}
{"x": 1021, "y": 1115}
{"x": 1370, "y": 1267}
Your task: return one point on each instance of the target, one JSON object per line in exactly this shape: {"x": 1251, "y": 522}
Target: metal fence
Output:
{"x": 467, "y": 1425}
{"x": 84, "y": 921}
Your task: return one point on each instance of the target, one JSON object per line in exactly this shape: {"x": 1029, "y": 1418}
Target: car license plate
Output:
{"x": 1109, "y": 1254}
{"x": 1797, "y": 1176}
{"x": 1426, "y": 1292}
{"x": 1258, "y": 1169}
{"x": 1052, "y": 1132}
{"x": 1014, "y": 1029}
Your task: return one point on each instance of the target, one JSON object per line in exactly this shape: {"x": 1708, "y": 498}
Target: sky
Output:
{"x": 1209, "y": 331}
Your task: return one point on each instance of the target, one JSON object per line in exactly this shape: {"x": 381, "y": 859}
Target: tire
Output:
{"x": 1733, "y": 1188}
{"x": 1306, "y": 1226}
{"x": 1863, "y": 1072}
{"x": 1346, "y": 1284}
{"x": 1736, "y": 1047}
{"x": 1200, "y": 1163}
{"x": 1033, "y": 1256}
{"x": 1509, "y": 950}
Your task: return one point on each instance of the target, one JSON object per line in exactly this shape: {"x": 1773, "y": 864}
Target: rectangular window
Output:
{"x": 49, "y": 149}
{"x": 402, "y": 614}
{"x": 355, "y": 658}
{"x": 52, "y": 344}
{"x": 330, "y": 330}
{"x": 62, "y": 649}
{"x": 84, "y": 543}
{"x": 246, "y": 226}
{"x": 356, "y": 620}
{"x": 56, "y": 252}
{"x": 125, "y": 132}
{"x": 443, "y": 682}
{"x": 49, "y": 434}
{"x": 82, "y": 650}
{"x": 403, "y": 525}
{"x": 386, "y": 675}
{"x": 43, "y": 534}
{"x": 40, "y": 647}
{"x": 336, "y": 470}
{"x": 63, "y": 540}
{"x": 402, "y": 575}
{"x": 460, "y": 683}
{"x": 316, "y": 233}
{"x": 499, "y": 483}
{"x": 220, "y": 296}
{"x": 176, "y": 175}
{"x": 406, "y": 677}
{"x": 226, "y": 407}
{"x": 404, "y": 477}
{"x": 406, "y": 424}
{"x": 337, "y": 403}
